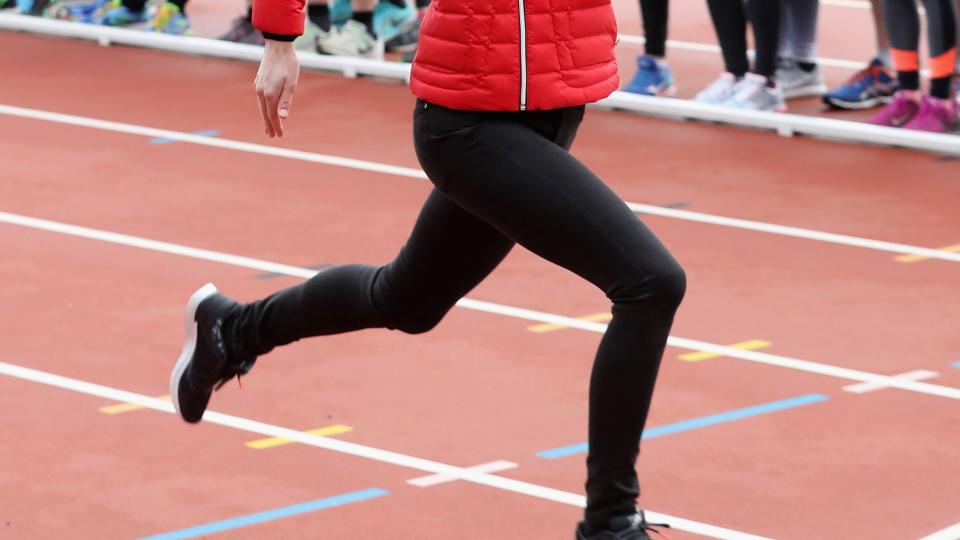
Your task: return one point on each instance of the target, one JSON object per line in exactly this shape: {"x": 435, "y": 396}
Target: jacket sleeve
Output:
{"x": 280, "y": 20}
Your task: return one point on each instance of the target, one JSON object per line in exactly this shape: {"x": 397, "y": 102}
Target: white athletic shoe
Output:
{"x": 719, "y": 91}
{"x": 753, "y": 93}
{"x": 352, "y": 39}
{"x": 310, "y": 38}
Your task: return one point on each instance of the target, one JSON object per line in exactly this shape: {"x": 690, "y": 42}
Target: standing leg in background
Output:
{"x": 357, "y": 36}
{"x": 956, "y": 75}
{"x": 730, "y": 23}
{"x": 938, "y": 109}
{"x": 316, "y": 27}
{"x": 653, "y": 76}
{"x": 758, "y": 90}
{"x": 797, "y": 70}
{"x": 408, "y": 34}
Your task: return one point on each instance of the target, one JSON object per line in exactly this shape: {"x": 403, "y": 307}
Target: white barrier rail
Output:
{"x": 782, "y": 123}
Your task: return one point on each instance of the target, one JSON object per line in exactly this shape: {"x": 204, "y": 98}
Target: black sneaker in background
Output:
{"x": 632, "y": 527}
{"x": 204, "y": 364}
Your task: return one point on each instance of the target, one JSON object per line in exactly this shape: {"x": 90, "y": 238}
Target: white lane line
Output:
{"x": 796, "y": 232}
{"x": 487, "y": 307}
{"x": 353, "y": 449}
{"x": 436, "y": 479}
{"x": 950, "y": 533}
{"x": 758, "y": 226}
{"x": 215, "y": 142}
{"x": 917, "y": 375}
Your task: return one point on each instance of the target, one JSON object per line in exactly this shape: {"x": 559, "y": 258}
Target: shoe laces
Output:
{"x": 639, "y": 521}
{"x": 235, "y": 370}
{"x": 867, "y": 75}
{"x": 230, "y": 370}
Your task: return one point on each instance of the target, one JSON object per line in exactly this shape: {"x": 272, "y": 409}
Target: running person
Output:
{"x": 493, "y": 124}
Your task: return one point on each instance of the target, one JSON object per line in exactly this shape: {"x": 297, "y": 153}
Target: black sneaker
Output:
{"x": 204, "y": 365}
{"x": 632, "y": 527}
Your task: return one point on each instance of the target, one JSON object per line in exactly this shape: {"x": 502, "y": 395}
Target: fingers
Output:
{"x": 286, "y": 98}
{"x": 262, "y": 104}
{"x": 271, "y": 98}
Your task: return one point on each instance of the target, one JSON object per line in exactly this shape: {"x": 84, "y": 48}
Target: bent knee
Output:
{"x": 410, "y": 320}
{"x": 418, "y": 325}
{"x": 663, "y": 288}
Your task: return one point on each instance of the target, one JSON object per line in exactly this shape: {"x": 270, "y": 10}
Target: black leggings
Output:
{"x": 730, "y": 22}
{"x": 903, "y": 25}
{"x": 654, "y": 14}
{"x": 502, "y": 178}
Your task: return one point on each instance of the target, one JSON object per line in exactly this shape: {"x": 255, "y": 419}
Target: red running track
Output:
{"x": 482, "y": 387}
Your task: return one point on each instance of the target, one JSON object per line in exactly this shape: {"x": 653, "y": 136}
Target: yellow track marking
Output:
{"x": 916, "y": 258}
{"x": 271, "y": 442}
{"x": 126, "y": 407}
{"x": 751, "y": 345}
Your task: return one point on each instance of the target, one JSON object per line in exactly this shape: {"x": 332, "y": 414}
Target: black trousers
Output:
{"x": 501, "y": 179}
{"x": 654, "y": 14}
{"x": 730, "y": 19}
{"x": 903, "y": 24}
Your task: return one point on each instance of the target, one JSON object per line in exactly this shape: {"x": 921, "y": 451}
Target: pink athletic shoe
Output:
{"x": 898, "y": 112}
{"x": 935, "y": 115}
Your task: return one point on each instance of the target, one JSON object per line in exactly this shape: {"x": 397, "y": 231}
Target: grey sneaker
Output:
{"x": 753, "y": 93}
{"x": 719, "y": 91}
{"x": 798, "y": 82}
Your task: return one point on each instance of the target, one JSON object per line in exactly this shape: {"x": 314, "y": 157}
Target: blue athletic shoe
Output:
{"x": 170, "y": 20}
{"x": 121, "y": 15}
{"x": 653, "y": 78}
{"x": 390, "y": 20}
{"x": 874, "y": 85}
{"x": 85, "y": 12}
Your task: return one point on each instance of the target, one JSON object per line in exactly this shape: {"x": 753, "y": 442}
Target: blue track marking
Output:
{"x": 697, "y": 423}
{"x": 205, "y": 133}
{"x": 270, "y": 515}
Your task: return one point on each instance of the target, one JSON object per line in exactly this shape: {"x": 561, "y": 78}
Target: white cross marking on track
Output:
{"x": 434, "y": 479}
{"x": 865, "y": 387}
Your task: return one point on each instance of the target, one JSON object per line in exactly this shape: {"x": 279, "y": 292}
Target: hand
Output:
{"x": 276, "y": 81}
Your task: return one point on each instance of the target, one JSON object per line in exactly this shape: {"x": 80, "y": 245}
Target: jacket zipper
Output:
{"x": 523, "y": 57}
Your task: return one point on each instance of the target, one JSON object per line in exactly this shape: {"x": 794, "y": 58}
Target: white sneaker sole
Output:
{"x": 190, "y": 344}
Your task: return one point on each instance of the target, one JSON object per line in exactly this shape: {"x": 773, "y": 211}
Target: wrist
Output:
{"x": 278, "y": 40}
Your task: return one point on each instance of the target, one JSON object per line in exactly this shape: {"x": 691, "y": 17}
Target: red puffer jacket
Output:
{"x": 509, "y": 55}
{"x": 497, "y": 55}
